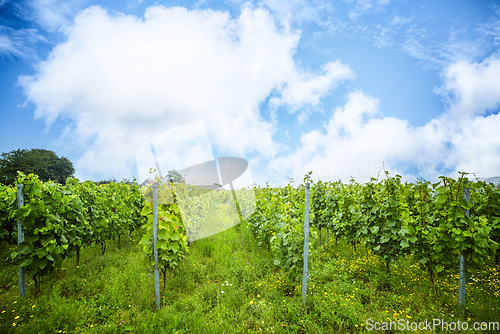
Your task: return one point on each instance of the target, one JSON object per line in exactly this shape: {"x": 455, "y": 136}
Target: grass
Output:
{"x": 229, "y": 285}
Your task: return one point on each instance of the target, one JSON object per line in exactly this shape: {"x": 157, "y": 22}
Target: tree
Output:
{"x": 107, "y": 181}
{"x": 174, "y": 177}
{"x": 46, "y": 164}
{"x": 113, "y": 179}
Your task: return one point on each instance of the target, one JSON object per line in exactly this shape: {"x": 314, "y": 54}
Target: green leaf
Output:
{"x": 146, "y": 238}
{"x": 413, "y": 239}
{"x": 24, "y": 249}
{"x": 41, "y": 252}
{"x": 162, "y": 244}
{"x": 57, "y": 196}
{"x": 441, "y": 198}
{"x": 146, "y": 210}
{"x": 26, "y": 262}
{"x": 43, "y": 263}
{"x": 391, "y": 223}
{"x": 174, "y": 246}
{"x": 164, "y": 234}
{"x": 24, "y": 210}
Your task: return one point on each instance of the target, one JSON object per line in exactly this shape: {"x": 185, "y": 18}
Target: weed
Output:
{"x": 227, "y": 284}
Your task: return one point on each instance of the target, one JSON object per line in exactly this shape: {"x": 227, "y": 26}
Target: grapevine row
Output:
{"x": 278, "y": 222}
{"x": 57, "y": 220}
{"x": 434, "y": 222}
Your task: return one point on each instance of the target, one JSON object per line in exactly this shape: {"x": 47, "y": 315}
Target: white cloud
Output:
{"x": 353, "y": 143}
{"x": 472, "y": 88}
{"x": 50, "y": 15}
{"x": 7, "y": 46}
{"x": 170, "y": 149}
{"x": 306, "y": 88}
{"x": 470, "y": 140}
{"x": 122, "y": 79}
{"x": 423, "y": 52}
{"x": 350, "y": 118}
{"x": 477, "y": 146}
{"x": 327, "y": 14}
{"x": 399, "y": 20}
{"x": 357, "y": 140}
{"x": 491, "y": 29}
{"x": 465, "y": 41}
{"x": 364, "y": 6}
{"x": 54, "y": 14}
{"x": 19, "y": 43}
{"x": 299, "y": 11}
{"x": 495, "y": 8}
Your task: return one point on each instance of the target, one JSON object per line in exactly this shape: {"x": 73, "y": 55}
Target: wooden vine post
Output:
{"x": 462, "y": 278}
{"x": 20, "y": 238}
{"x": 155, "y": 239}
{"x": 306, "y": 247}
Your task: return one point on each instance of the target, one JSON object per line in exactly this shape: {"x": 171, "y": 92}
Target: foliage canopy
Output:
{"x": 44, "y": 163}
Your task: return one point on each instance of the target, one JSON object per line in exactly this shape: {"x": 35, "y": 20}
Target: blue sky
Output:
{"x": 336, "y": 87}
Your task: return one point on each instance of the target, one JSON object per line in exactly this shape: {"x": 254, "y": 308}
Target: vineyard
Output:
{"x": 382, "y": 250}
{"x": 57, "y": 221}
{"x": 434, "y": 223}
